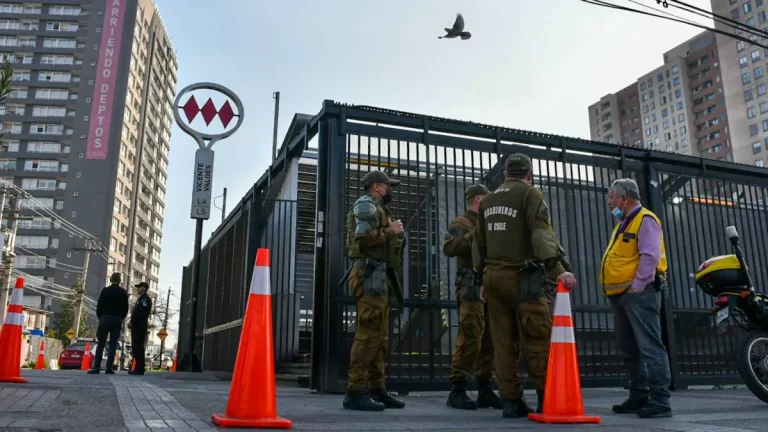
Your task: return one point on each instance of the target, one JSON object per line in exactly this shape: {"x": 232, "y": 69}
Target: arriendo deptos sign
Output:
{"x": 104, "y": 82}
{"x": 190, "y": 105}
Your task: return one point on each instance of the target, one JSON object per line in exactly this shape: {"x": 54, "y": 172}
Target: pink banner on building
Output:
{"x": 105, "y": 80}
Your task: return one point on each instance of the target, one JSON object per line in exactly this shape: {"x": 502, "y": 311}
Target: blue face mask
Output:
{"x": 619, "y": 213}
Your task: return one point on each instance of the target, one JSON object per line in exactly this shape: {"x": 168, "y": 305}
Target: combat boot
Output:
{"x": 359, "y": 401}
{"x": 515, "y": 408}
{"x": 540, "y": 406}
{"x": 381, "y": 396}
{"x": 458, "y": 398}
{"x": 487, "y": 398}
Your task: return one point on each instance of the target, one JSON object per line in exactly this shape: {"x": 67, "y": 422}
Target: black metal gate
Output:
{"x": 435, "y": 159}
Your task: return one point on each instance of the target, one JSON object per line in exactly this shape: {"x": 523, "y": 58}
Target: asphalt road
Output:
{"x": 73, "y": 401}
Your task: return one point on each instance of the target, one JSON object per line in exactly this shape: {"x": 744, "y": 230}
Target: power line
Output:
{"x": 677, "y": 19}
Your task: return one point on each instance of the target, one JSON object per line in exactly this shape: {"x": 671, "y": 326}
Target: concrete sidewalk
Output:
{"x": 74, "y": 401}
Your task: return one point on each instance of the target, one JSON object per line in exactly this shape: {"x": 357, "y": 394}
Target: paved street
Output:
{"x": 73, "y": 401}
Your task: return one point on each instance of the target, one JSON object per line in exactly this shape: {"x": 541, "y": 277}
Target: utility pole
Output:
{"x": 223, "y": 206}
{"x": 90, "y": 246}
{"x": 7, "y": 263}
{"x": 276, "y": 97}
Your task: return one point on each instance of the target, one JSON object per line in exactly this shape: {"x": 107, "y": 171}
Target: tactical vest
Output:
{"x": 507, "y": 235}
{"x": 389, "y": 250}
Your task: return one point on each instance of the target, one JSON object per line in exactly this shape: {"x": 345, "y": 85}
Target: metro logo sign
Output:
{"x": 105, "y": 80}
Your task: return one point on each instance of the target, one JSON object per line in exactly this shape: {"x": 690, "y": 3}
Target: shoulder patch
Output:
{"x": 144, "y": 302}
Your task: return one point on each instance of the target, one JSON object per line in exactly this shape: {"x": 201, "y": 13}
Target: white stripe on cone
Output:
{"x": 563, "y": 304}
{"x": 14, "y": 318}
{"x": 260, "y": 281}
{"x": 17, "y": 298}
{"x": 563, "y": 335}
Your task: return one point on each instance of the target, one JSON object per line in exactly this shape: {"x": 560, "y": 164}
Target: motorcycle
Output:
{"x": 727, "y": 279}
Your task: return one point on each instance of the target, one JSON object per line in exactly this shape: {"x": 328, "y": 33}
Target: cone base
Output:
{"x": 17, "y": 380}
{"x": 221, "y": 420}
{"x": 562, "y": 419}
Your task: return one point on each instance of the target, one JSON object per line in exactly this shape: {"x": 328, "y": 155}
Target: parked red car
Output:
{"x": 72, "y": 357}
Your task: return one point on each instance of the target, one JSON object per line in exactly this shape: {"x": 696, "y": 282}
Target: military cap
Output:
{"x": 378, "y": 177}
{"x": 475, "y": 190}
{"x": 518, "y": 163}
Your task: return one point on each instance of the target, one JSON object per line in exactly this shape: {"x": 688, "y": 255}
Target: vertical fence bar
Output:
{"x": 655, "y": 204}
{"x": 320, "y": 369}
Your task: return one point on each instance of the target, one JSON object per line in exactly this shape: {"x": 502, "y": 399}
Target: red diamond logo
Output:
{"x": 191, "y": 109}
{"x": 208, "y": 111}
{"x": 226, "y": 114}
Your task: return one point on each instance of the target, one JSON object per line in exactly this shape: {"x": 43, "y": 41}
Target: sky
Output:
{"x": 534, "y": 65}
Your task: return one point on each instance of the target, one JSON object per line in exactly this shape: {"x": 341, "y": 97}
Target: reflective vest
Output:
{"x": 622, "y": 257}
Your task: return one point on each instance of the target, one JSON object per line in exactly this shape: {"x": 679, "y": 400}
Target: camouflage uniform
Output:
{"x": 474, "y": 349}
{"x": 519, "y": 257}
{"x": 373, "y": 248}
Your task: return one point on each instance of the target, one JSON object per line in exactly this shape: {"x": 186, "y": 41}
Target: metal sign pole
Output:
{"x": 202, "y": 183}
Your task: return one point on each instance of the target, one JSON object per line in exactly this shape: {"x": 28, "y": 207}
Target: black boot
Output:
{"x": 381, "y": 396}
{"x": 631, "y": 405}
{"x": 540, "y": 406}
{"x": 359, "y": 401}
{"x": 458, "y": 398}
{"x": 486, "y": 398}
{"x": 515, "y": 408}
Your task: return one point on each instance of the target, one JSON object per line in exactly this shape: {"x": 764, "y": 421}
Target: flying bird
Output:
{"x": 457, "y": 30}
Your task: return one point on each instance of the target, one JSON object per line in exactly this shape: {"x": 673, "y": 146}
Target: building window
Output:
{"x": 753, "y": 130}
{"x": 746, "y": 78}
{"x": 759, "y": 163}
{"x": 758, "y": 72}
{"x": 751, "y": 112}
{"x": 748, "y": 95}
{"x": 756, "y": 148}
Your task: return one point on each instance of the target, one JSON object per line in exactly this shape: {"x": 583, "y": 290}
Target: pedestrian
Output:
{"x": 374, "y": 244}
{"x": 473, "y": 351}
{"x": 111, "y": 310}
{"x": 633, "y": 276}
{"x": 139, "y": 326}
{"x": 520, "y": 259}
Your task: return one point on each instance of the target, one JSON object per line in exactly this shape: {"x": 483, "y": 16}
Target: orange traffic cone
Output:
{"x": 252, "y": 397}
{"x": 562, "y": 394}
{"x": 176, "y": 357}
{"x": 40, "y": 363}
{"x": 133, "y": 365}
{"x": 86, "y": 363}
{"x": 10, "y": 337}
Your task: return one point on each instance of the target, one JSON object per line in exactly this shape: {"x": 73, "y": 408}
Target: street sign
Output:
{"x": 201, "y": 184}
{"x": 185, "y": 115}
{"x": 202, "y": 180}
{"x": 70, "y": 334}
{"x": 162, "y": 334}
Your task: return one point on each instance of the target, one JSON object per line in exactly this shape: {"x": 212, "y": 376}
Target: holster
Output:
{"x": 375, "y": 273}
{"x": 468, "y": 283}
{"x": 533, "y": 281}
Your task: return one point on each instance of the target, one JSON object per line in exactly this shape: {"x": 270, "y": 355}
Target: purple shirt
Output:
{"x": 649, "y": 247}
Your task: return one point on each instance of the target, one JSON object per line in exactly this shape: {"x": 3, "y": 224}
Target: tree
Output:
{"x": 65, "y": 319}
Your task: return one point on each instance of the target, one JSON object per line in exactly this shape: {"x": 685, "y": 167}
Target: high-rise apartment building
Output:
{"x": 679, "y": 107}
{"x": 744, "y": 67}
{"x": 87, "y": 133}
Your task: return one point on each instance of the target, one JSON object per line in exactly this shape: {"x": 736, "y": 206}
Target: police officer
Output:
{"x": 474, "y": 349}
{"x": 139, "y": 326}
{"x": 374, "y": 244}
{"x": 519, "y": 257}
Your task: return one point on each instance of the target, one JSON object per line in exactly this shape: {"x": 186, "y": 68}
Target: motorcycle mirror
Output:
{"x": 731, "y": 232}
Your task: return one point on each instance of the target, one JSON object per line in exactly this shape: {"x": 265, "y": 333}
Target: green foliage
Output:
{"x": 66, "y": 317}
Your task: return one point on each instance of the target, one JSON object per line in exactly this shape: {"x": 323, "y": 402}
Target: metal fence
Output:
{"x": 436, "y": 159}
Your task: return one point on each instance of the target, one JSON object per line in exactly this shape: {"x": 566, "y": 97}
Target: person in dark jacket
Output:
{"x": 111, "y": 310}
{"x": 139, "y": 325}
